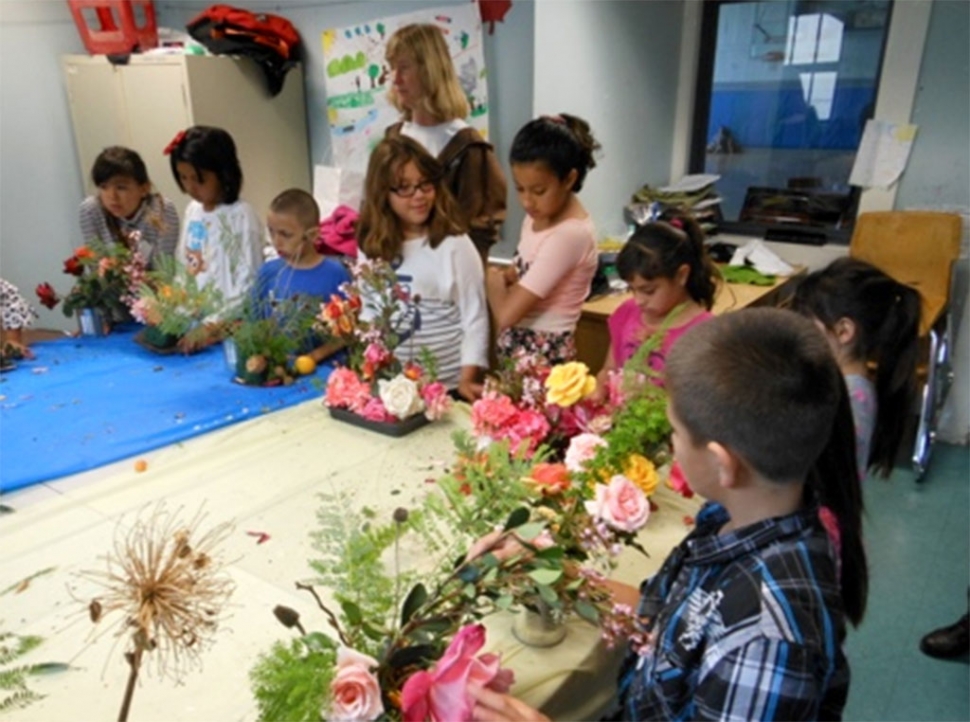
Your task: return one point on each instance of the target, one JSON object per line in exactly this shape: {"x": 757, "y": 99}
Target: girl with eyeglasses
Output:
{"x": 536, "y": 302}
{"x": 409, "y": 219}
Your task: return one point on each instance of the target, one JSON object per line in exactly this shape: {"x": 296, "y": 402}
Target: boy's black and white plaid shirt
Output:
{"x": 744, "y": 626}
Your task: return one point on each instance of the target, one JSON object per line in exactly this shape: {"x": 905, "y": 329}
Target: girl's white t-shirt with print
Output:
{"x": 223, "y": 246}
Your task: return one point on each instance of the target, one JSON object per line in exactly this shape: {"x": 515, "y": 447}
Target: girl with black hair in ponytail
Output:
{"x": 673, "y": 281}
{"x": 872, "y": 324}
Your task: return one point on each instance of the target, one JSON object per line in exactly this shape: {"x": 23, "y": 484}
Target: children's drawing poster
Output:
{"x": 358, "y": 77}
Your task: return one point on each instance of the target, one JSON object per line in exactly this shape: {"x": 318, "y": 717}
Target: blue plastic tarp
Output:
{"x": 85, "y": 402}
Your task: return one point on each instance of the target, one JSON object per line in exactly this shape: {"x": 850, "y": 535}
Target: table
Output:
{"x": 593, "y": 335}
{"x": 264, "y": 473}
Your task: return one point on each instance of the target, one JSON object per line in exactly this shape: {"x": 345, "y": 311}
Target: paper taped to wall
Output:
{"x": 883, "y": 154}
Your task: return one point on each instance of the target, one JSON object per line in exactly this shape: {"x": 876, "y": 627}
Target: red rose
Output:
{"x": 47, "y": 295}
{"x": 73, "y": 266}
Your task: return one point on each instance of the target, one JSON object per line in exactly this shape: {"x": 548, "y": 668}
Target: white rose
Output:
{"x": 400, "y": 396}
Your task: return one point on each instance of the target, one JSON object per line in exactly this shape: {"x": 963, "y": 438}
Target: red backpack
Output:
{"x": 271, "y": 40}
{"x": 225, "y": 22}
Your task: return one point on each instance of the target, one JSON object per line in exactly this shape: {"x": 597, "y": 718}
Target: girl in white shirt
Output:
{"x": 409, "y": 220}
{"x": 222, "y": 236}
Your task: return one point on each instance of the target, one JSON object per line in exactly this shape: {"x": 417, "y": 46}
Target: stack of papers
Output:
{"x": 692, "y": 194}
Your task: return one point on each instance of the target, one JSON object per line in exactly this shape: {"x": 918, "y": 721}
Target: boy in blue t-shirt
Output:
{"x": 300, "y": 274}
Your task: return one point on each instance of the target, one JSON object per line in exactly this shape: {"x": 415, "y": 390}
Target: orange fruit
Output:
{"x": 141, "y": 465}
{"x": 305, "y": 365}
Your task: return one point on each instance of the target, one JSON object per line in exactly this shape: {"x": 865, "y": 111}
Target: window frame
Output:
{"x": 698, "y": 140}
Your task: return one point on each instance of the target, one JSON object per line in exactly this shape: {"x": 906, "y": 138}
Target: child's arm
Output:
{"x": 603, "y": 377}
{"x": 497, "y": 707}
{"x": 469, "y": 383}
{"x": 509, "y": 304}
{"x": 321, "y": 353}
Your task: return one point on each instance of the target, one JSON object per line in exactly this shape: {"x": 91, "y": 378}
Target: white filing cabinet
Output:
{"x": 143, "y": 104}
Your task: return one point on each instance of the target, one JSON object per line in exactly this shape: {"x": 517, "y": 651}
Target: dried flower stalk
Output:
{"x": 168, "y": 580}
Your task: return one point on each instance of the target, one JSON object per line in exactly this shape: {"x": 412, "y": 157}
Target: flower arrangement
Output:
{"x": 406, "y": 645}
{"x": 170, "y": 302}
{"x": 268, "y": 336}
{"x": 107, "y": 277}
{"x": 373, "y": 317}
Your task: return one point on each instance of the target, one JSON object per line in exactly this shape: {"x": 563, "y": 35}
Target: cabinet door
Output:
{"x": 156, "y": 108}
{"x": 96, "y": 110}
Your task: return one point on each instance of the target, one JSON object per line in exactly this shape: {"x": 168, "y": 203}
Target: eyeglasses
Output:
{"x": 406, "y": 191}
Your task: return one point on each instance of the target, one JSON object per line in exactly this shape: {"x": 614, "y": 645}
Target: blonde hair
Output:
{"x": 379, "y": 230}
{"x": 443, "y": 98}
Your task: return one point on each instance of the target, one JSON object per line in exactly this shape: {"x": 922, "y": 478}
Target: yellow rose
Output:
{"x": 641, "y": 471}
{"x": 568, "y": 384}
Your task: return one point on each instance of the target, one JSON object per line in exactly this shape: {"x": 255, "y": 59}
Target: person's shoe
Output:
{"x": 948, "y": 642}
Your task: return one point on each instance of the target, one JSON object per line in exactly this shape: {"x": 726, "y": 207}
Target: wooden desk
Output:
{"x": 593, "y": 335}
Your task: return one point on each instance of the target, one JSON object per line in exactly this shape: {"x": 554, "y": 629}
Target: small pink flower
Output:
{"x": 528, "y": 427}
{"x": 678, "y": 482}
{"x": 491, "y": 413}
{"x": 346, "y": 391}
{"x": 441, "y": 694}
{"x": 355, "y": 693}
{"x": 376, "y": 354}
{"x": 436, "y": 400}
{"x": 581, "y": 449}
{"x": 374, "y": 410}
{"x": 621, "y": 504}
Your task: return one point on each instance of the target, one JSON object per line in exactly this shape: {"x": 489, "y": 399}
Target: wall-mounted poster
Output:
{"x": 358, "y": 77}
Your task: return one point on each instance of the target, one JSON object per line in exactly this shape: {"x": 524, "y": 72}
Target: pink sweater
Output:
{"x": 627, "y": 332}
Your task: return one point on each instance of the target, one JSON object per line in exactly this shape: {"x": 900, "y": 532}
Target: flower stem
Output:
{"x": 134, "y": 661}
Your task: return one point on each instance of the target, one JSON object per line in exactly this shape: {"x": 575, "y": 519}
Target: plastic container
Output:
{"x": 115, "y": 27}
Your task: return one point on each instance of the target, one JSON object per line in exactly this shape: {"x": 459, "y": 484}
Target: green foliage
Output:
{"x": 172, "y": 299}
{"x": 14, "y": 692}
{"x": 291, "y": 682}
{"x": 274, "y": 331}
{"x": 103, "y": 279}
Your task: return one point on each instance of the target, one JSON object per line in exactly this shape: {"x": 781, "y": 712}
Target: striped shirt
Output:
{"x": 450, "y": 316}
{"x": 747, "y": 625}
{"x": 156, "y": 221}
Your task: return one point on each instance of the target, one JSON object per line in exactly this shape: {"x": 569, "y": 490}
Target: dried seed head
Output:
{"x": 400, "y": 515}
{"x": 289, "y": 618}
{"x": 94, "y": 609}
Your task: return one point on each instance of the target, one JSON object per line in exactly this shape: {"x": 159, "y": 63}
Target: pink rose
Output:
{"x": 355, "y": 694}
{"x": 621, "y": 504}
{"x": 374, "y": 410}
{"x": 346, "y": 391}
{"x": 436, "y": 400}
{"x": 527, "y": 427}
{"x": 581, "y": 449}
{"x": 376, "y": 354}
{"x": 441, "y": 694}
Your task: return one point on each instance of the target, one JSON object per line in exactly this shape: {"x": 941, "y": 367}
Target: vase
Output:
{"x": 247, "y": 377}
{"x": 538, "y": 628}
{"x": 230, "y": 353}
{"x": 396, "y": 428}
{"x": 91, "y": 322}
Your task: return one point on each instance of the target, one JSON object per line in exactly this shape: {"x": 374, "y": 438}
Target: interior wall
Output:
{"x": 938, "y": 175}
{"x": 615, "y": 64}
{"x": 40, "y": 181}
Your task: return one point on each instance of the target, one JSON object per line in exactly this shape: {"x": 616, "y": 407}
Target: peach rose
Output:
{"x": 620, "y": 504}
{"x": 569, "y": 383}
{"x": 551, "y": 478}
{"x": 355, "y": 694}
{"x": 581, "y": 449}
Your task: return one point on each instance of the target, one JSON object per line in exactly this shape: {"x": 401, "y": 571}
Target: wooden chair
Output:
{"x": 919, "y": 248}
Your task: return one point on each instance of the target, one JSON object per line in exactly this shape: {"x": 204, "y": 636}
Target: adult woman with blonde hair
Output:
{"x": 425, "y": 89}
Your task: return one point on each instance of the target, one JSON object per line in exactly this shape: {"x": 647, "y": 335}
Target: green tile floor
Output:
{"x": 918, "y": 543}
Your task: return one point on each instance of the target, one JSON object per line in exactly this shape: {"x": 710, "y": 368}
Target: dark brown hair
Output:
{"x": 764, "y": 383}
{"x": 379, "y": 230}
{"x": 886, "y": 315}
{"x": 563, "y": 142}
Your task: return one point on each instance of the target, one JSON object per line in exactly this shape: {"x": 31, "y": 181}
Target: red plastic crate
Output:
{"x": 119, "y": 32}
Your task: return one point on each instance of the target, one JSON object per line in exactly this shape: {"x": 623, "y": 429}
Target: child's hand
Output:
{"x": 496, "y": 707}
{"x": 469, "y": 390}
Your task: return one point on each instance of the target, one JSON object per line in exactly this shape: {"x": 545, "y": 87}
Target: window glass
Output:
{"x": 784, "y": 91}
